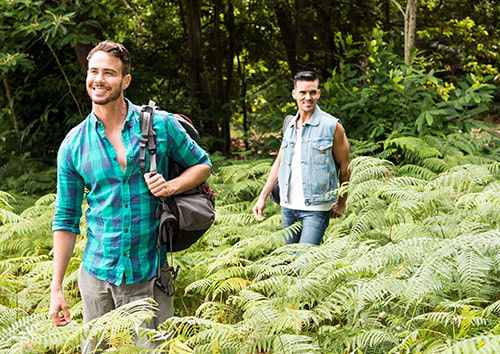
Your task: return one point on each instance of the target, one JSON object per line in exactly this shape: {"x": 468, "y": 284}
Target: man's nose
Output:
{"x": 99, "y": 77}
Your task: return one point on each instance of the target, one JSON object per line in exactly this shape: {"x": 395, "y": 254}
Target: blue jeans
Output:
{"x": 314, "y": 224}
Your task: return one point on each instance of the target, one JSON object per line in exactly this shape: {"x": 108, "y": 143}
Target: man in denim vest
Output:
{"x": 311, "y": 164}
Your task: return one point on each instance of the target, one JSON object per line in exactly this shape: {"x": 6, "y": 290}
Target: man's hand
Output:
{"x": 59, "y": 309}
{"x": 258, "y": 209}
{"x": 157, "y": 185}
{"x": 337, "y": 210}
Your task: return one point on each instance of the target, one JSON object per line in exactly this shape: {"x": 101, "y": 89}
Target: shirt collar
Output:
{"x": 315, "y": 119}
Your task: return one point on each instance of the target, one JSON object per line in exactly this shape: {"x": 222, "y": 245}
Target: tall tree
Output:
{"x": 200, "y": 88}
{"x": 410, "y": 28}
{"x": 308, "y": 30}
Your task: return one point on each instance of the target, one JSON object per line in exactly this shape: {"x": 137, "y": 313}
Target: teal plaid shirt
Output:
{"x": 121, "y": 221}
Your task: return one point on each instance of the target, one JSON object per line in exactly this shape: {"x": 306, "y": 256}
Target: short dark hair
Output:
{"x": 116, "y": 50}
{"x": 305, "y": 76}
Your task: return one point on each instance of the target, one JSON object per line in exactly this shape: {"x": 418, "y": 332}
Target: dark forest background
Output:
{"x": 386, "y": 66}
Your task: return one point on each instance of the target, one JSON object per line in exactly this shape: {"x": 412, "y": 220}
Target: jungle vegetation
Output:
{"x": 412, "y": 266}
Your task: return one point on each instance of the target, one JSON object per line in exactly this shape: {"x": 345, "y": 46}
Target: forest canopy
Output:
{"x": 228, "y": 64}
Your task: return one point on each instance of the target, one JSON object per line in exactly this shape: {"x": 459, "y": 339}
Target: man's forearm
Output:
{"x": 64, "y": 244}
{"x": 190, "y": 178}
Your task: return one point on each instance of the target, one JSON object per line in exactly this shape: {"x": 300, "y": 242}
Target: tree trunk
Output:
{"x": 223, "y": 73}
{"x": 410, "y": 28}
{"x": 200, "y": 89}
{"x": 10, "y": 100}
{"x": 304, "y": 33}
{"x": 287, "y": 28}
{"x": 227, "y": 79}
{"x": 326, "y": 38}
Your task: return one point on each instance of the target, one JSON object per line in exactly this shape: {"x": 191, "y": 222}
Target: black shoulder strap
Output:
{"x": 286, "y": 122}
{"x": 148, "y": 137}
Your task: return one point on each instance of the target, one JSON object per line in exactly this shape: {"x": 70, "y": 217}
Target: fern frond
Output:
{"x": 494, "y": 168}
{"x": 413, "y": 148}
{"x": 470, "y": 143}
{"x": 247, "y": 298}
{"x": 446, "y": 146}
{"x": 5, "y": 199}
{"x": 15, "y": 330}
{"x": 8, "y": 316}
{"x": 199, "y": 331}
{"x": 473, "y": 269}
{"x": 9, "y": 217}
{"x": 44, "y": 336}
{"x": 362, "y": 193}
{"x": 120, "y": 326}
{"x": 371, "y": 217}
{"x": 199, "y": 286}
{"x": 218, "y": 311}
{"x": 407, "y": 182}
{"x": 482, "y": 344}
{"x": 492, "y": 310}
{"x": 430, "y": 275}
{"x": 229, "y": 286}
{"x": 434, "y": 164}
{"x": 368, "y": 168}
{"x": 294, "y": 344}
{"x": 370, "y": 340}
{"x": 363, "y": 148}
{"x": 409, "y": 230}
{"x": 463, "y": 178}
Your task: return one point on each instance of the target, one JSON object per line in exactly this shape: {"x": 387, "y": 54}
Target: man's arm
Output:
{"x": 64, "y": 244}
{"x": 342, "y": 157}
{"x": 258, "y": 209}
{"x": 189, "y": 178}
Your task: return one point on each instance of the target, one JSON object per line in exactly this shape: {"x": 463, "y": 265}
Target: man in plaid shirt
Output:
{"x": 99, "y": 160}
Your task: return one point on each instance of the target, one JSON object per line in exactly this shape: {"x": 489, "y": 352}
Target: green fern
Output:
{"x": 412, "y": 266}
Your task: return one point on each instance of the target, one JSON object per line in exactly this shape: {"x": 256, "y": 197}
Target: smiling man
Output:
{"x": 312, "y": 160}
{"x": 99, "y": 161}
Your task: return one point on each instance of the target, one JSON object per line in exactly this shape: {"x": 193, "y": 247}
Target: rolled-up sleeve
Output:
{"x": 70, "y": 190}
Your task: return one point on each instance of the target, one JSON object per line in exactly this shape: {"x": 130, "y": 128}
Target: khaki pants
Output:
{"x": 100, "y": 297}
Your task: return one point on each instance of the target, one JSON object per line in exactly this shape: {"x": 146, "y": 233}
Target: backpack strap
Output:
{"x": 148, "y": 137}
{"x": 286, "y": 123}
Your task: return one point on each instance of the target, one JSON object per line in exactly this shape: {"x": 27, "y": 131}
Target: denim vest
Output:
{"x": 319, "y": 171}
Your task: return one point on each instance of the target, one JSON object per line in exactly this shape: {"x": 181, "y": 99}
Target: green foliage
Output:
{"x": 41, "y": 82}
{"x": 27, "y": 176}
{"x": 411, "y": 267}
{"x": 386, "y": 96}
{"x": 464, "y": 45}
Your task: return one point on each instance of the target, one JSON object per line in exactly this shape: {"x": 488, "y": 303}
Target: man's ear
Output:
{"x": 126, "y": 81}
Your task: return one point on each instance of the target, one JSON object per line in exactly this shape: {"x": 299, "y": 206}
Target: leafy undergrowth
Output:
{"x": 412, "y": 266}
